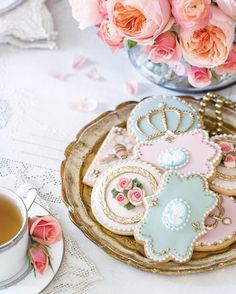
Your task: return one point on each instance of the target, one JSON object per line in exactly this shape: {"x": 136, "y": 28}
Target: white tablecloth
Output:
{"x": 41, "y": 123}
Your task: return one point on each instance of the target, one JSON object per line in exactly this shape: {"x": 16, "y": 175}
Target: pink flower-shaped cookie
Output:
{"x": 221, "y": 225}
{"x": 187, "y": 153}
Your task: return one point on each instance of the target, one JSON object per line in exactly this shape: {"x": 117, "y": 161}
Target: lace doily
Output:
{"x": 28, "y": 25}
{"x": 77, "y": 272}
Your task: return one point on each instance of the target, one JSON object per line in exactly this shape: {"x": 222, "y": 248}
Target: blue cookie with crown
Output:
{"x": 156, "y": 115}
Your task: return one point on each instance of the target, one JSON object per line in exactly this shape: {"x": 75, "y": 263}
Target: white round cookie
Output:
{"x": 106, "y": 208}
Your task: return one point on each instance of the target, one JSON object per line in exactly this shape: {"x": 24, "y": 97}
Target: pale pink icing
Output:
{"x": 203, "y": 154}
{"x": 221, "y": 232}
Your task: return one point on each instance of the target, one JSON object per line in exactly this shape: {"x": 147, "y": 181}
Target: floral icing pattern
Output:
{"x": 187, "y": 153}
{"x": 229, "y": 154}
{"x": 128, "y": 192}
{"x": 175, "y": 217}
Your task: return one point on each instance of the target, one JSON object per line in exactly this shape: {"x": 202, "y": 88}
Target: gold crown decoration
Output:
{"x": 159, "y": 130}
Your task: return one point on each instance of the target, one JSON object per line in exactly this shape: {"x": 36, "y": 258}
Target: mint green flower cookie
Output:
{"x": 175, "y": 217}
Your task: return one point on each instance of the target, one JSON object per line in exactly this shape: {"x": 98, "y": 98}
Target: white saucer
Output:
{"x": 26, "y": 282}
{"x": 6, "y": 5}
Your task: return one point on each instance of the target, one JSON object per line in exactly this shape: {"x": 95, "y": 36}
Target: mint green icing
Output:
{"x": 153, "y": 228}
{"x": 173, "y": 119}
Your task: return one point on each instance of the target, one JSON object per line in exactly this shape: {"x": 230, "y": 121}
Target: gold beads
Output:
{"x": 219, "y": 102}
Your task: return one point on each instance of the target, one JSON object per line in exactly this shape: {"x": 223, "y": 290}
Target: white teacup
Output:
{"x": 13, "y": 254}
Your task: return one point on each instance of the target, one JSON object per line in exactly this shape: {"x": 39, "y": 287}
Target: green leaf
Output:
{"x": 130, "y": 43}
{"x": 114, "y": 192}
{"x": 129, "y": 206}
{"x": 137, "y": 183}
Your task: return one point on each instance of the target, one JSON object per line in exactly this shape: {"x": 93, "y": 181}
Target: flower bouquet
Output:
{"x": 175, "y": 43}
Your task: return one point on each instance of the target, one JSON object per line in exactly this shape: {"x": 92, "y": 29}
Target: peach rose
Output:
{"x": 229, "y": 161}
{"x": 191, "y": 13}
{"x": 165, "y": 49}
{"x": 136, "y": 196}
{"x": 121, "y": 199}
{"x": 230, "y": 64}
{"x": 39, "y": 258}
{"x": 139, "y": 20}
{"x": 209, "y": 46}
{"x": 226, "y": 147}
{"x": 88, "y": 12}
{"x": 45, "y": 229}
{"x": 124, "y": 183}
{"x": 228, "y": 6}
{"x": 199, "y": 77}
{"x": 110, "y": 36}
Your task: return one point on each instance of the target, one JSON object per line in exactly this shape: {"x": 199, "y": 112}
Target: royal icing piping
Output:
{"x": 131, "y": 179}
{"x": 155, "y": 115}
{"x": 225, "y": 177}
{"x": 175, "y": 217}
{"x": 191, "y": 152}
{"x": 116, "y": 146}
{"x": 221, "y": 223}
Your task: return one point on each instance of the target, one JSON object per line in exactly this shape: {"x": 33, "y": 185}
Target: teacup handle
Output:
{"x": 27, "y": 193}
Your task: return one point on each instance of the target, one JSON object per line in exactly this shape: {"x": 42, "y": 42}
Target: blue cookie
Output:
{"x": 175, "y": 217}
{"x": 155, "y": 115}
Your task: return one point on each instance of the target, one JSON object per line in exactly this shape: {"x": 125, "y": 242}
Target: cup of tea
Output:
{"x": 14, "y": 237}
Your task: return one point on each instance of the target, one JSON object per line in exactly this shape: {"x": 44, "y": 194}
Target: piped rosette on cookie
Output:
{"x": 224, "y": 180}
{"x": 187, "y": 153}
{"x": 118, "y": 195}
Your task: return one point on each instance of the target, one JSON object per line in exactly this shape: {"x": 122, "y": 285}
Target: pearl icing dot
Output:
{"x": 176, "y": 214}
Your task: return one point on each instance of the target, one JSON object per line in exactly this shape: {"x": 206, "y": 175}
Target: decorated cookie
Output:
{"x": 224, "y": 180}
{"x": 117, "y": 197}
{"x": 221, "y": 226}
{"x": 116, "y": 146}
{"x": 155, "y": 115}
{"x": 190, "y": 152}
{"x": 175, "y": 217}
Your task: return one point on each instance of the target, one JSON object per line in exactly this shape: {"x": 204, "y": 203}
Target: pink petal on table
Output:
{"x": 84, "y": 105}
{"x": 58, "y": 75}
{"x": 93, "y": 74}
{"x": 132, "y": 87}
{"x": 79, "y": 61}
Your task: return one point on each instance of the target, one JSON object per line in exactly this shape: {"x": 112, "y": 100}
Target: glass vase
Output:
{"x": 163, "y": 76}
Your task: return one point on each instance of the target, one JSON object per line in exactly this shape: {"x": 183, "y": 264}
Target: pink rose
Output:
{"x": 230, "y": 64}
{"x": 226, "y": 147}
{"x": 136, "y": 196}
{"x": 39, "y": 258}
{"x": 88, "y": 12}
{"x": 139, "y": 20}
{"x": 165, "y": 49}
{"x": 228, "y": 6}
{"x": 191, "y": 13}
{"x": 210, "y": 46}
{"x": 124, "y": 183}
{"x": 229, "y": 161}
{"x": 110, "y": 36}
{"x": 199, "y": 77}
{"x": 121, "y": 199}
{"x": 45, "y": 229}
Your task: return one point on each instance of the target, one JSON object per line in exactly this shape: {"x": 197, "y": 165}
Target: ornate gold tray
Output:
{"x": 76, "y": 195}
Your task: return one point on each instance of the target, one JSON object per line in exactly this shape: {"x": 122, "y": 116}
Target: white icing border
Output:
{"x": 96, "y": 203}
{"x": 147, "y": 241}
{"x": 140, "y": 104}
{"x": 211, "y": 165}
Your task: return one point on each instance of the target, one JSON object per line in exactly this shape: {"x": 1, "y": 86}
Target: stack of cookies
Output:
{"x": 166, "y": 182}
